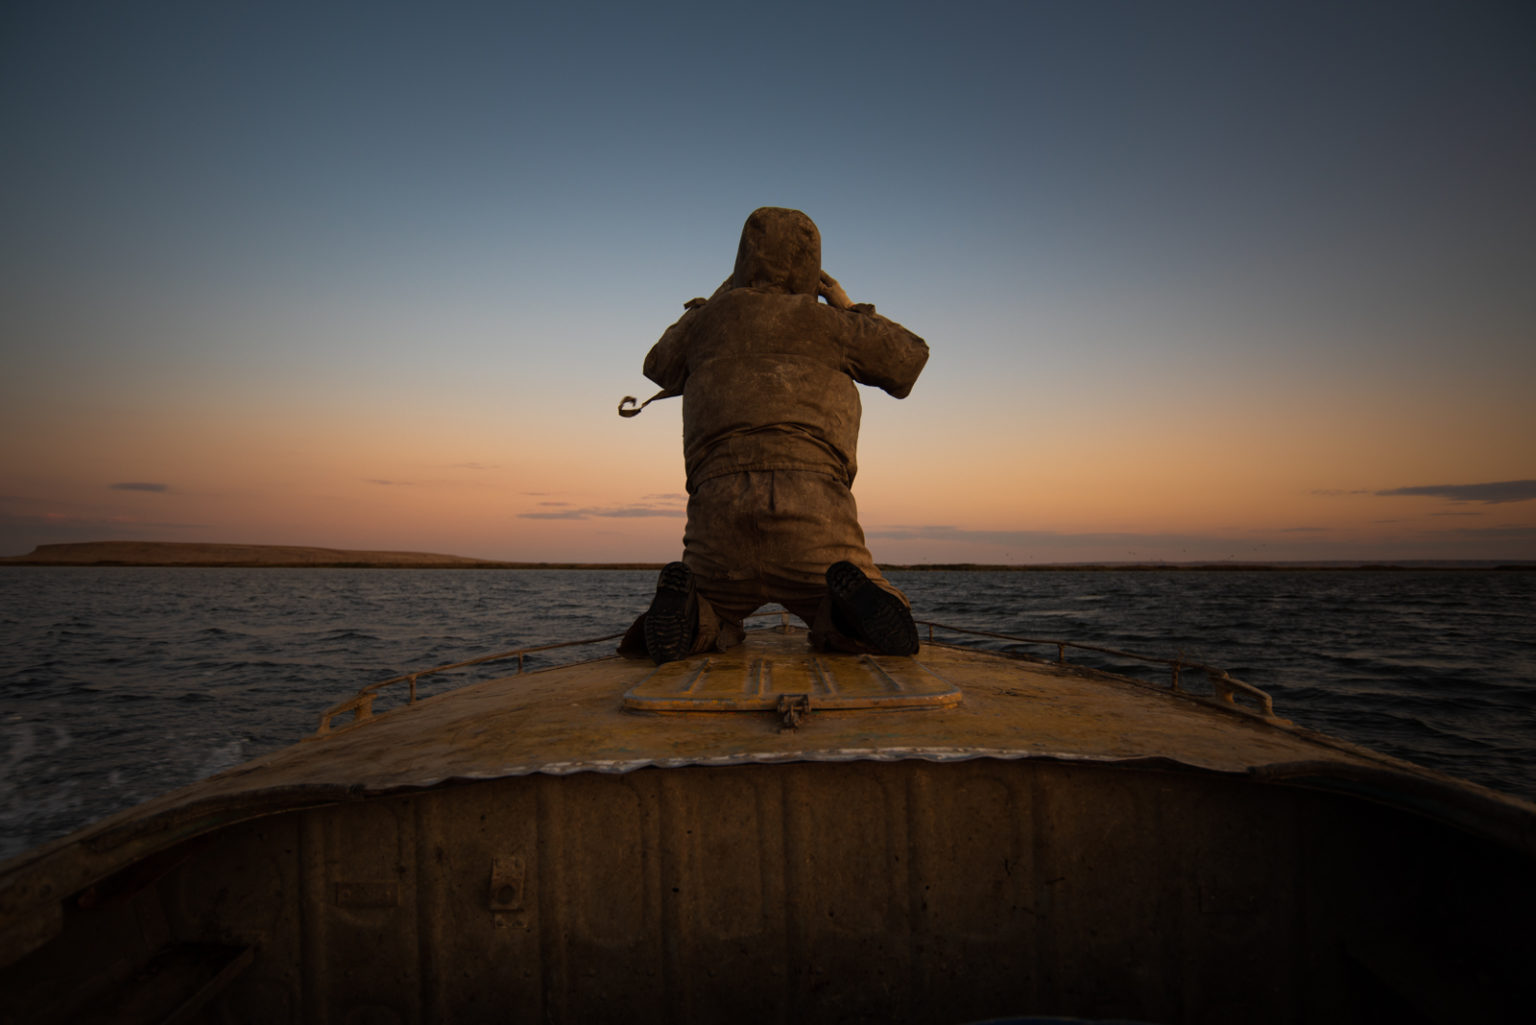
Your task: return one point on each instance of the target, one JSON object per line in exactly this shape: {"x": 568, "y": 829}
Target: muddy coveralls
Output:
{"x": 770, "y": 430}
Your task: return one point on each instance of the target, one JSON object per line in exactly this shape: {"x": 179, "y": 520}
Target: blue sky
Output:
{"x": 1189, "y": 271}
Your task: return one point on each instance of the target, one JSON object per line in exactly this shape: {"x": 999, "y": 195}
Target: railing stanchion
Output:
{"x": 1225, "y": 686}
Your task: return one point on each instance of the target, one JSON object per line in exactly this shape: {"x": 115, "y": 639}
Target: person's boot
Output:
{"x": 672, "y": 620}
{"x": 867, "y": 612}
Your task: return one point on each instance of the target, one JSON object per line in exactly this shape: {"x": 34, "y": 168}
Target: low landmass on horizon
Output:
{"x": 182, "y": 553}
{"x": 194, "y": 554}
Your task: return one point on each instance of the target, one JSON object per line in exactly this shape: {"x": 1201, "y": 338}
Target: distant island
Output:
{"x": 193, "y": 554}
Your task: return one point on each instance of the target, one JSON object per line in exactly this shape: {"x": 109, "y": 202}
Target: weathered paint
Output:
{"x": 769, "y": 675}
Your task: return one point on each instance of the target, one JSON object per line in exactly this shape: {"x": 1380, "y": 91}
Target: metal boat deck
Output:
{"x": 950, "y": 837}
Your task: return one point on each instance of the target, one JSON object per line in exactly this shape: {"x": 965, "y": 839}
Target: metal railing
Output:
{"x": 361, "y": 703}
{"x": 1224, "y": 684}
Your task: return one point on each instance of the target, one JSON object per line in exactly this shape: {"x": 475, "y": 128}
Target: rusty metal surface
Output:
{"x": 572, "y": 720}
{"x": 905, "y": 891}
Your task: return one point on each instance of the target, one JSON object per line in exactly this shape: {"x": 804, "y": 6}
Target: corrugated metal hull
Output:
{"x": 904, "y": 891}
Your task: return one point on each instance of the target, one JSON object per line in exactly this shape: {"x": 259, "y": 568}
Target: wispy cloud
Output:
{"x": 1336, "y": 492}
{"x": 387, "y": 483}
{"x": 1493, "y": 493}
{"x": 651, "y": 505}
{"x": 140, "y": 485}
{"x": 612, "y": 512}
{"x": 1495, "y": 533}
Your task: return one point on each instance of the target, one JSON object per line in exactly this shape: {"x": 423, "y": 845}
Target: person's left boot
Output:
{"x": 671, "y": 623}
{"x": 867, "y": 612}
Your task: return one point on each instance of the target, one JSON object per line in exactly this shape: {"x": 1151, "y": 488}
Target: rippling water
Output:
{"x": 119, "y": 684}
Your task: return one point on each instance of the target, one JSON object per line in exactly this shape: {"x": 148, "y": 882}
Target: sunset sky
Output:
{"x": 1201, "y": 281}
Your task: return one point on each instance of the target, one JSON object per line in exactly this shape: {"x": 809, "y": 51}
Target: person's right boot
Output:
{"x": 867, "y": 612}
{"x": 671, "y": 623}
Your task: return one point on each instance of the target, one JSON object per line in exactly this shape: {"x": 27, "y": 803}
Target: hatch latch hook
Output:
{"x": 793, "y": 708}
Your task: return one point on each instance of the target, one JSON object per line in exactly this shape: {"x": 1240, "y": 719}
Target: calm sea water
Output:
{"x": 120, "y": 684}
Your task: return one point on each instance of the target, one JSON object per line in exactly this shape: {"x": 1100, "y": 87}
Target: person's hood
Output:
{"x": 780, "y": 251}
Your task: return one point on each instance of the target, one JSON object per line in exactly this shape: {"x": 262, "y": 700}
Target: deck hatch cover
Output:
{"x": 737, "y": 682}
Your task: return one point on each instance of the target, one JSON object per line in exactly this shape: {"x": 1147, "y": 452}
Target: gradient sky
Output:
{"x": 1201, "y": 281}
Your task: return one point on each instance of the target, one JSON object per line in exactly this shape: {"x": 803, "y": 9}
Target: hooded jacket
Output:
{"x": 767, "y": 372}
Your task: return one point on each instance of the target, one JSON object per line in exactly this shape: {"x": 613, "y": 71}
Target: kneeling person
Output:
{"x": 770, "y": 432}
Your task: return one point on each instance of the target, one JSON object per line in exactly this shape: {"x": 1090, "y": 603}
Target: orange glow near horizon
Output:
{"x": 950, "y": 474}
{"x": 927, "y": 491}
